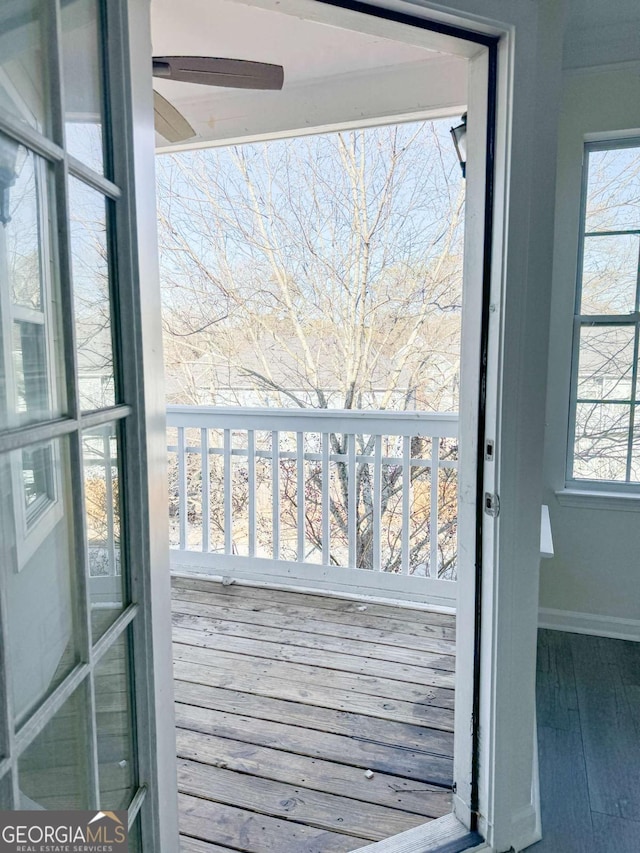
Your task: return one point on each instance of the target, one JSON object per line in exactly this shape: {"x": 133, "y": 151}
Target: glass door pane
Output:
{"x": 39, "y": 571}
{"x": 54, "y": 771}
{"x": 23, "y": 60}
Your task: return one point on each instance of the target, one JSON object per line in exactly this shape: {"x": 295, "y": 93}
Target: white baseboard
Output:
{"x": 589, "y": 623}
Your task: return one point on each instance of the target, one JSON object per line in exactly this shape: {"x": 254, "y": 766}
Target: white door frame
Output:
{"x": 529, "y": 68}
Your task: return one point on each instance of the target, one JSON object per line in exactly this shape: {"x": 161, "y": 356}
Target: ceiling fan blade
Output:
{"x": 211, "y": 71}
{"x": 169, "y": 121}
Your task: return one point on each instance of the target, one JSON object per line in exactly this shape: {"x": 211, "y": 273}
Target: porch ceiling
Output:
{"x": 333, "y": 75}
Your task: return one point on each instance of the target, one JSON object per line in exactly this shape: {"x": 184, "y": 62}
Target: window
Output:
{"x": 39, "y": 485}
{"x": 604, "y": 433}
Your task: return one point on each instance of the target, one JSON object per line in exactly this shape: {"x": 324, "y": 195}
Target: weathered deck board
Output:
{"x": 434, "y": 684}
{"x": 316, "y": 696}
{"x": 194, "y": 845}
{"x": 318, "y": 602}
{"x": 349, "y": 723}
{"x": 292, "y": 802}
{"x": 300, "y": 613}
{"x": 315, "y": 773}
{"x": 343, "y": 660}
{"x": 362, "y": 644}
{"x": 228, "y": 618}
{"x": 433, "y": 767}
{"x": 285, "y": 700}
{"x": 253, "y": 832}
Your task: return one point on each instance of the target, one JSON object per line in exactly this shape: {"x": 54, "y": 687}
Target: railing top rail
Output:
{"x": 363, "y": 421}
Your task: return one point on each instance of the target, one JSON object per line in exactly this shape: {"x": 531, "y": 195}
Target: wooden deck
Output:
{"x": 306, "y": 723}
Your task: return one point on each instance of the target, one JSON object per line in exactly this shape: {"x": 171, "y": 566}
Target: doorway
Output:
{"x": 199, "y": 447}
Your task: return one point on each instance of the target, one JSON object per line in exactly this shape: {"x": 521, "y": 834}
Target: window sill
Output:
{"x": 605, "y": 500}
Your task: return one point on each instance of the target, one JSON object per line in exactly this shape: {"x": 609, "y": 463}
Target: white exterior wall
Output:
{"x": 593, "y": 582}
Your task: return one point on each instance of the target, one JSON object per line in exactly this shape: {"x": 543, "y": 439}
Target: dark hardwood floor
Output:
{"x": 306, "y": 723}
{"x": 589, "y": 744}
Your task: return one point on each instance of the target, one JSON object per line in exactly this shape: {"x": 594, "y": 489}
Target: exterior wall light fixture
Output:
{"x": 459, "y": 136}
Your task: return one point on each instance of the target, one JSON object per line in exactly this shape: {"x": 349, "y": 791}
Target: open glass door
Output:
{"x": 76, "y": 678}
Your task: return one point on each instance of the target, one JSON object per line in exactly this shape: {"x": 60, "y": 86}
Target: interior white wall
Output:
{"x": 592, "y": 584}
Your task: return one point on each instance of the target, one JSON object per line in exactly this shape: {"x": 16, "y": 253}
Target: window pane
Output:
{"x": 102, "y": 499}
{"x": 38, "y": 477}
{"x": 91, "y": 296}
{"x": 30, "y": 371}
{"x": 601, "y": 441}
{"x": 613, "y": 190}
{"x": 606, "y": 362}
{"x": 21, "y": 218}
{"x": 610, "y": 274}
{"x": 23, "y": 83}
{"x": 114, "y": 723}
{"x": 37, "y": 559}
{"x": 81, "y": 46}
{"x": 53, "y": 772}
{"x": 31, "y": 383}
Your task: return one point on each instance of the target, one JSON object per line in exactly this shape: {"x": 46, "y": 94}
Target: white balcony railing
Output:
{"x": 368, "y": 490}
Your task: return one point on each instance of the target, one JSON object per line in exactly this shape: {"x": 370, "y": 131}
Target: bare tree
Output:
{"x": 320, "y": 272}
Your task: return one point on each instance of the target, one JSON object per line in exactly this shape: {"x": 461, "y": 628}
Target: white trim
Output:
{"x": 331, "y": 593}
{"x": 384, "y": 422}
{"x": 587, "y": 499}
{"x": 595, "y": 624}
{"x": 432, "y": 836}
{"x": 546, "y": 537}
{"x": 145, "y": 431}
{"x": 429, "y": 592}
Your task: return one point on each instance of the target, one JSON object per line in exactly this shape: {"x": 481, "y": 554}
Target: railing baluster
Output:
{"x": 326, "y": 521}
{"x": 377, "y": 503}
{"x": 251, "y": 462}
{"x": 352, "y": 498}
{"x": 381, "y": 451}
{"x": 406, "y": 501}
{"x": 205, "y": 477}
{"x": 435, "y": 475}
{"x": 182, "y": 488}
{"x": 228, "y": 539}
{"x": 275, "y": 491}
{"x": 300, "y": 494}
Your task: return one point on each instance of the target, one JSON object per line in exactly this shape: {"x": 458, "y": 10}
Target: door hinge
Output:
{"x": 492, "y": 504}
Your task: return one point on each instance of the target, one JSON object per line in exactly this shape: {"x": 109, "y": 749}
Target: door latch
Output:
{"x": 492, "y": 504}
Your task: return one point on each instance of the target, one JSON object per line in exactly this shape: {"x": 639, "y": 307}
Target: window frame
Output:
{"x": 626, "y": 487}
{"x": 31, "y": 529}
